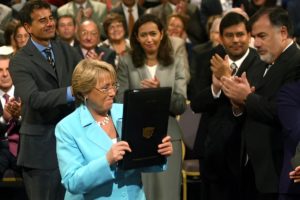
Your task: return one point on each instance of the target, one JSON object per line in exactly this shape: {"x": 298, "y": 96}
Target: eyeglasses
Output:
{"x": 92, "y": 33}
{"x": 105, "y": 90}
{"x": 176, "y": 26}
{"x": 114, "y": 26}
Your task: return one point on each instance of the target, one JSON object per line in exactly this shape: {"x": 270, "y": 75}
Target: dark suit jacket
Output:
{"x": 218, "y": 138}
{"x": 262, "y": 132}
{"x": 109, "y": 55}
{"x": 288, "y": 113}
{"x": 44, "y": 100}
{"x": 120, "y": 11}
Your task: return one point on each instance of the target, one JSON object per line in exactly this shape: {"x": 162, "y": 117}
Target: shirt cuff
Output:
{"x": 216, "y": 96}
{"x": 2, "y": 120}
{"x": 70, "y": 97}
{"x": 236, "y": 112}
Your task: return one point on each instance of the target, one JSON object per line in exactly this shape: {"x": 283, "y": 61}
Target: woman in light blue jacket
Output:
{"x": 87, "y": 146}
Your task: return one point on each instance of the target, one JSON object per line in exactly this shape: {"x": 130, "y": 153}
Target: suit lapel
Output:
{"x": 37, "y": 58}
{"x": 143, "y": 72}
{"x": 245, "y": 64}
{"x": 93, "y": 131}
{"x": 161, "y": 73}
{"x": 58, "y": 56}
{"x": 279, "y": 65}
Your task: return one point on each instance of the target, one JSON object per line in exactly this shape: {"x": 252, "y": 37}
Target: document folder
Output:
{"x": 144, "y": 125}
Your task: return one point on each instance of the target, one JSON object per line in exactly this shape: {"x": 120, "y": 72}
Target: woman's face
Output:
{"x": 116, "y": 31}
{"x": 100, "y": 99}
{"x": 21, "y": 37}
{"x": 175, "y": 27}
{"x": 149, "y": 37}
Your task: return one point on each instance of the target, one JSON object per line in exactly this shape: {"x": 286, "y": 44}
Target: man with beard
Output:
{"x": 41, "y": 72}
{"x": 262, "y": 137}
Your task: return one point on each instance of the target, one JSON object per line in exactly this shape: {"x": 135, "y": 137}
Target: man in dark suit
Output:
{"x": 41, "y": 72}
{"x": 288, "y": 112}
{"x": 123, "y": 10}
{"x": 10, "y": 110}
{"x": 218, "y": 138}
{"x": 262, "y": 133}
{"x": 89, "y": 38}
{"x": 66, "y": 29}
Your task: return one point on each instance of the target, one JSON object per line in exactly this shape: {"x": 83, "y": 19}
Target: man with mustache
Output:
{"x": 41, "y": 72}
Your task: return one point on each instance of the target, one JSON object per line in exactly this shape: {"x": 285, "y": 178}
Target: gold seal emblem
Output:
{"x": 148, "y": 132}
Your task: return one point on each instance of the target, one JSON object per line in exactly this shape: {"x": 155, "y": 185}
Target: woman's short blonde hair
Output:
{"x": 86, "y": 75}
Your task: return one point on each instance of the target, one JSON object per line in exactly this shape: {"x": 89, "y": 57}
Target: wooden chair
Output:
{"x": 188, "y": 122}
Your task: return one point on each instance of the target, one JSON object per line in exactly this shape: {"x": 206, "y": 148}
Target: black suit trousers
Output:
{"x": 43, "y": 184}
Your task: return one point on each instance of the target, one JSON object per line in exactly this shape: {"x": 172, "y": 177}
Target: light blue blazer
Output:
{"x": 81, "y": 150}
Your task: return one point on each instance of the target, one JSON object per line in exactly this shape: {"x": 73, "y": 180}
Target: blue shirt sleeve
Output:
{"x": 70, "y": 98}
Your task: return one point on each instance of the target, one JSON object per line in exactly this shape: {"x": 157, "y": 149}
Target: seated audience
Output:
{"x": 89, "y": 37}
{"x": 177, "y": 35}
{"x": 9, "y": 34}
{"x": 131, "y": 11}
{"x": 176, "y": 26}
{"x": 20, "y": 36}
{"x": 195, "y": 31}
{"x": 10, "y": 120}
{"x": 84, "y": 9}
{"x": 5, "y": 15}
{"x": 254, "y": 5}
{"x": 88, "y": 146}
{"x": 66, "y": 29}
{"x": 114, "y": 27}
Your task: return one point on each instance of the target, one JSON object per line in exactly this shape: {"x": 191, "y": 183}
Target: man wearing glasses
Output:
{"x": 89, "y": 37}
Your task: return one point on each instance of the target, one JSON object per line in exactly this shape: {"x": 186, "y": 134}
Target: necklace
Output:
{"x": 104, "y": 121}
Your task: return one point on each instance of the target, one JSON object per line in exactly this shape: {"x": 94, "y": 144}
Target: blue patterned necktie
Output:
{"x": 49, "y": 57}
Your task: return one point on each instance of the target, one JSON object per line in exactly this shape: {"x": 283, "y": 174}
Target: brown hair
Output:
{"x": 113, "y": 17}
{"x": 165, "y": 50}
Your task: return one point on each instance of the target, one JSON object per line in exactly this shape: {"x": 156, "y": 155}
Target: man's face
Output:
{"x": 5, "y": 79}
{"x": 42, "y": 28}
{"x": 66, "y": 28}
{"x": 88, "y": 35}
{"x": 236, "y": 40}
{"x": 267, "y": 39}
